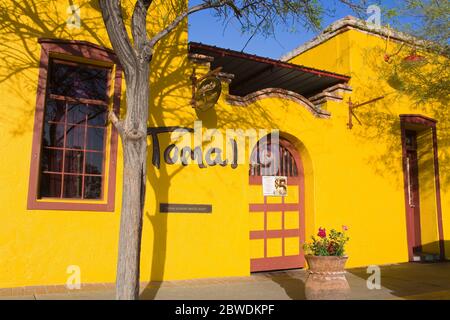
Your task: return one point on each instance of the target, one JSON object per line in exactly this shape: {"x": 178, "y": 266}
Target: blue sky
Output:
{"x": 205, "y": 28}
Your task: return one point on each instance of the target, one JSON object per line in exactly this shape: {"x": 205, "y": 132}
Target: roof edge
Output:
{"x": 345, "y": 24}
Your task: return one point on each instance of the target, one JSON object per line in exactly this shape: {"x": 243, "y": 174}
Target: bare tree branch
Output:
{"x": 182, "y": 16}
{"x": 116, "y": 122}
{"x": 112, "y": 16}
{"x": 254, "y": 33}
{"x": 144, "y": 47}
{"x": 139, "y": 27}
{"x": 357, "y": 7}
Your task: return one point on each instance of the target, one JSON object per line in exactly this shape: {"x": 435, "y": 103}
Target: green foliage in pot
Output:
{"x": 331, "y": 245}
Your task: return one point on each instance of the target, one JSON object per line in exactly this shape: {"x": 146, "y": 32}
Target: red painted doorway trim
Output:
{"x": 282, "y": 262}
{"x": 421, "y": 122}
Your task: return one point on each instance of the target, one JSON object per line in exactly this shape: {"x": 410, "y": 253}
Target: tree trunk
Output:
{"x": 134, "y": 142}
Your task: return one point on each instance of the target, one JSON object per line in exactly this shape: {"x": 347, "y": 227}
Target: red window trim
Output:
{"x": 95, "y": 54}
{"x": 418, "y": 119}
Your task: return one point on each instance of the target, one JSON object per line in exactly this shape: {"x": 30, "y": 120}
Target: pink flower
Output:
{"x": 322, "y": 233}
{"x": 345, "y": 228}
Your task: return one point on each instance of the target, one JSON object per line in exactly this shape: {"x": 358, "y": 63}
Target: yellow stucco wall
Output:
{"x": 351, "y": 177}
{"x": 362, "y": 58}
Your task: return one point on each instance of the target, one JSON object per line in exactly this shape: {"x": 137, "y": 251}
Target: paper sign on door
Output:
{"x": 275, "y": 186}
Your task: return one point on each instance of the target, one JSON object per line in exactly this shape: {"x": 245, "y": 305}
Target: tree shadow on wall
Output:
{"x": 381, "y": 127}
{"x": 380, "y": 121}
{"x": 171, "y": 106}
{"x": 22, "y": 23}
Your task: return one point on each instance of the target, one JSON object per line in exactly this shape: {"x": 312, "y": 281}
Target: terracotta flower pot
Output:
{"x": 326, "y": 279}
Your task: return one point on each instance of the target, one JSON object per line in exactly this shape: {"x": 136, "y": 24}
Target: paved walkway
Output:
{"x": 400, "y": 281}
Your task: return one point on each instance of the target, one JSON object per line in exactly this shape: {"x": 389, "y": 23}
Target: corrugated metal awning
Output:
{"x": 253, "y": 73}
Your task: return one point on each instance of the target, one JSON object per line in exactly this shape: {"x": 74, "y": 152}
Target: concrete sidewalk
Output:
{"x": 400, "y": 281}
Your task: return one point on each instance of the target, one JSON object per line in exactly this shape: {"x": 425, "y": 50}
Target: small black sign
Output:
{"x": 185, "y": 208}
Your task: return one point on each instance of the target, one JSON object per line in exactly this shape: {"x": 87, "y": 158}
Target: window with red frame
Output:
{"x": 74, "y": 131}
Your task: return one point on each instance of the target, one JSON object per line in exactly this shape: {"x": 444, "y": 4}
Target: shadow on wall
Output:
{"x": 21, "y": 24}
{"x": 380, "y": 124}
{"x": 170, "y": 105}
{"x": 170, "y": 96}
{"x": 380, "y": 121}
{"x": 405, "y": 92}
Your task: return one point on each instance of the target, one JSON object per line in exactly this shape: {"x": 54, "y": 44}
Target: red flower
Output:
{"x": 331, "y": 248}
{"x": 322, "y": 233}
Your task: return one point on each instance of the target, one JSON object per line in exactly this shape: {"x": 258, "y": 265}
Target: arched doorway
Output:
{"x": 277, "y": 224}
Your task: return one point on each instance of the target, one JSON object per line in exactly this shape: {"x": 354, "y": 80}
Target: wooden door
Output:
{"x": 413, "y": 207}
{"x": 277, "y": 231}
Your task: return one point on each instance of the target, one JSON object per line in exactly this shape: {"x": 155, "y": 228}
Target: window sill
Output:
{"x": 70, "y": 206}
